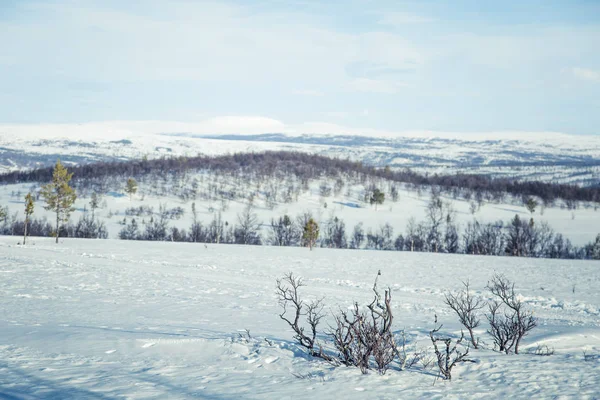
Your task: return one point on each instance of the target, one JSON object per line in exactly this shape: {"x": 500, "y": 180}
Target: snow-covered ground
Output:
{"x": 105, "y": 319}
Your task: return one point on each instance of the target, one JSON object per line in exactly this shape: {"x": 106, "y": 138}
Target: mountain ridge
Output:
{"x": 559, "y": 158}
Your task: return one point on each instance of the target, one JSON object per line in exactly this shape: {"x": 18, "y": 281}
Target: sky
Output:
{"x": 454, "y": 66}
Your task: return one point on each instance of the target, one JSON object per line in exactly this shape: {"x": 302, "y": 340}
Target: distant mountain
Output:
{"x": 555, "y": 157}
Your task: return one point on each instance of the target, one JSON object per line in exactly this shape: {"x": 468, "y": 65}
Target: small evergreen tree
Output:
{"x": 310, "y": 233}
{"x": 28, "y": 213}
{"x": 377, "y": 197}
{"x": 531, "y": 204}
{"x": 131, "y": 187}
{"x": 59, "y": 196}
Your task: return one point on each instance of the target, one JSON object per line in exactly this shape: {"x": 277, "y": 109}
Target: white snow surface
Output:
{"x": 104, "y": 319}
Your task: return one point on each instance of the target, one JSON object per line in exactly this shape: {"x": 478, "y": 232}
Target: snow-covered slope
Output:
{"x": 547, "y": 156}
{"x": 94, "y": 319}
{"x": 580, "y": 226}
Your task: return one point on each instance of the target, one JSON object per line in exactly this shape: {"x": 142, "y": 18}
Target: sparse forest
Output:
{"x": 281, "y": 164}
{"x": 273, "y": 178}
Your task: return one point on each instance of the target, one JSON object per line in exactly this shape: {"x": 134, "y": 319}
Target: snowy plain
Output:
{"x": 104, "y": 319}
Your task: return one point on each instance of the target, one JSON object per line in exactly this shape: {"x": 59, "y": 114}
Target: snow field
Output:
{"x": 106, "y": 319}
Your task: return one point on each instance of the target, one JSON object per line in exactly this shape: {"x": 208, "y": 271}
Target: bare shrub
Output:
{"x": 590, "y": 357}
{"x": 405, "y": 361}
{"x": 309, "y": 376}
{"x": 541, "y": 350}
{"x": 379, "y": 331}
{"x": 363, "y": 338}
{"x": 466, "y": 306}
{"x": 410, "y": 359}
{"x": 501, "y": 327}
{"x": 449, "y": 355}
{"x": 509, "y": 320}
{"x": 343, "y": 337}
{"x": 289, "y": 300}
{"x": 357, "y": 343}
{"x": 425, "y": 359}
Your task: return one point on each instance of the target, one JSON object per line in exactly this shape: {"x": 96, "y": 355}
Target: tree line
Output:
{"x": 438, "y": 233}
{"x": 310, "y": 166}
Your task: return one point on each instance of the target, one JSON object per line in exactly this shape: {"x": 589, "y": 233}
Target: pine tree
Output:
{"x": 531, "y": 204}
{"x": 131, "y": 187}
{"x": 59, "y": 196}
{"x": 310, "y": 233}
{"x": 28, "y": 212}
{"x": 377, "y": 197}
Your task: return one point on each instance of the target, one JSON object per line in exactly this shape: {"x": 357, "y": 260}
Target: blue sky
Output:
{"x": 462, "y": 66}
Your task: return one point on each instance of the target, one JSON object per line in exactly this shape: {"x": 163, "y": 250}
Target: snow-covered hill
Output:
{"x": 546, "y": 156}
{"x": 579, "y": 225}
{"x": 95, "y": 319}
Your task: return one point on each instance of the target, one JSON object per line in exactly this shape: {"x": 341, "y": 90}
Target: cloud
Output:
{"x": 185, "y": 59}
{"x": 375, "y": 86}
{"x": 183, "y": 41}
{"x": 586, "y": 74}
